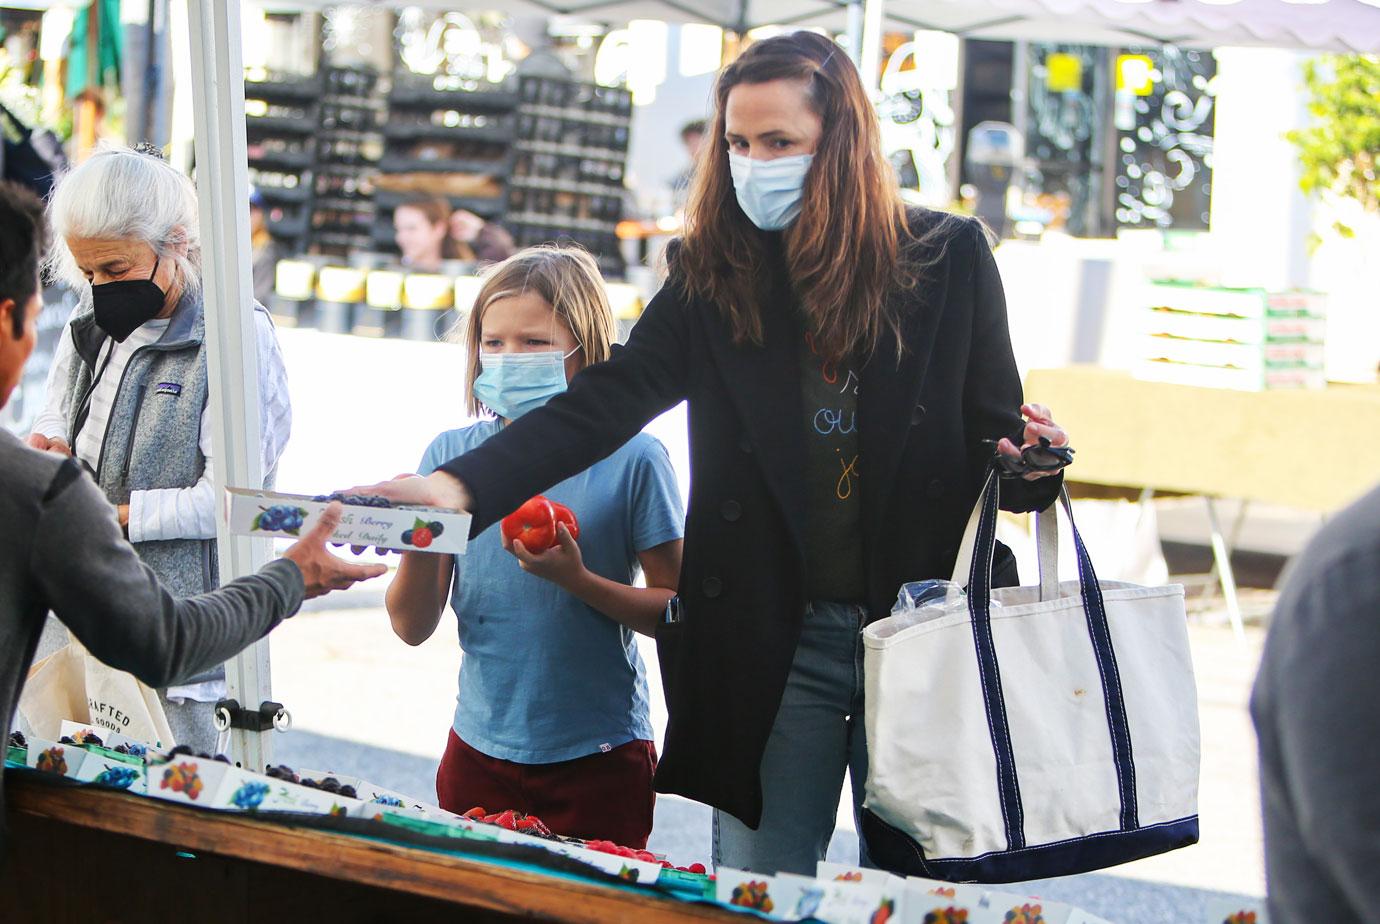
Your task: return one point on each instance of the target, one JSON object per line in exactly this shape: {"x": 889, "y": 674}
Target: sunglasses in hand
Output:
{"x": 1037, "y": 457}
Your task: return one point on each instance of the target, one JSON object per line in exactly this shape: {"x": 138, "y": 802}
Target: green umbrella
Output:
{"x": 108, "y": 41}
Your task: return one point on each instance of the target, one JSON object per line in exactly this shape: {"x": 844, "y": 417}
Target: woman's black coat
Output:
{"x": 921, "y": 426}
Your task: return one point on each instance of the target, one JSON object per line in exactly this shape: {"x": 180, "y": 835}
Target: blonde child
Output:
{"x": 551, "y": 716}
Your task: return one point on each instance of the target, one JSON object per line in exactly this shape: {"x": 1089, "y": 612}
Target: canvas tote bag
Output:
{"x": 1029, "y": 732}
{"x": 73, "y": 684}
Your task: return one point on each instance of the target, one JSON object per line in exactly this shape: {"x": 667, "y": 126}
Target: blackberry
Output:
{"x": 66, "y": 739}
{"x": 357, "y": 500}
{"x": 91, "y": 738}
{"x": 348, "y": 792}
{"x": 180, "y": 751}
{"x": 17, "y": 739}
{"x": 282, "y": 772}
{"x": 436, "y": 528}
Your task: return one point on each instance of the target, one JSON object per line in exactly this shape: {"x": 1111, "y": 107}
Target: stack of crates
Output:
{"x": 1247, "y": 339}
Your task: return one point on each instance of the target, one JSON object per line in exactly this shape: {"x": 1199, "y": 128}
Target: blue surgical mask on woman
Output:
{"x": 769, "y": 191}
{"x": 511, "y": 384}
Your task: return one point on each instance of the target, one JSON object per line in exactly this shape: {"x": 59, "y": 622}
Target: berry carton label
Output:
{"x": 193, "y": 780}
{"x": 366, "y": 521}
{"x": 115, "y": 774}
{"x": 54, "y": 757}
{"x": 928, "y": 900}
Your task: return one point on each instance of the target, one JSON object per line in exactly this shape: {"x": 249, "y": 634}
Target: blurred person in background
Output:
{"x": 421, "y": 228}
{"x": 127, "y": 392}
{"x": 262, "y": 247}
{"x": 1316, "y": 706}
{"x": 692, "y": 136}
{"x": 478, "y": 240}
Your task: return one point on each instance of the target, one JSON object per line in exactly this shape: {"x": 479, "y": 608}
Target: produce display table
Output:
{"x": 83, "y": 854}
{"x": 1302, "y": 449}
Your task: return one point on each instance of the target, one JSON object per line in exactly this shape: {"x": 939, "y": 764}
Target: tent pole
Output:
{"x": 855, "y": 32}
{"x": 870, "y": 55}
{"x": 222, "y": 177}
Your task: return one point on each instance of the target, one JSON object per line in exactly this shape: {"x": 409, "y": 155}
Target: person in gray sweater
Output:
{"x": 62, "y": 549}
{"x": 1316, "y": 706}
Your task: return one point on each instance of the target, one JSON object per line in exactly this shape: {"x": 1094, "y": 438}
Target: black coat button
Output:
{"x": 712, "y": 587}
{"x": 731, "y": 510}
{"x": 745, "y": 444}
{"x": 917, "y": 415}
{"x": 935, "y": 488}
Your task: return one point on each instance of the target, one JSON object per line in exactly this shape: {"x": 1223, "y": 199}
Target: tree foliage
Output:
{"x": 1340, "y": 152}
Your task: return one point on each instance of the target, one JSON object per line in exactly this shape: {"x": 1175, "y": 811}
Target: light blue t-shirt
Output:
{"x": 546, "y": 678}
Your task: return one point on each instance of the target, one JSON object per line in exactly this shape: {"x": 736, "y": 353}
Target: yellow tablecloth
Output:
{"x": 1314, "y": 450}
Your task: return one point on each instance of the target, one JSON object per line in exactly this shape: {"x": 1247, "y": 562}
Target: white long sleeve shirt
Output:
{"x": 166, "y": 513}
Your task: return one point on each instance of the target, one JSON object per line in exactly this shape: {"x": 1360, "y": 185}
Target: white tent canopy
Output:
{"x": 1315, "y": 25}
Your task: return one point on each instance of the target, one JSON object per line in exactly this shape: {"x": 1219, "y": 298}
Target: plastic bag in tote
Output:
{"x": 1028, "y": 732}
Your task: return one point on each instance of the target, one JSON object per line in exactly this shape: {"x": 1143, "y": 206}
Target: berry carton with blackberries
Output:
{"x": 103, "y": 740}
{"x": 370, "y": 794}
{"x": 213, "y": 782}
{"x": 366, "y": 520}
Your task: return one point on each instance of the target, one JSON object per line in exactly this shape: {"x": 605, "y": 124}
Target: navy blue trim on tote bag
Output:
{"x": 893, "y": 850}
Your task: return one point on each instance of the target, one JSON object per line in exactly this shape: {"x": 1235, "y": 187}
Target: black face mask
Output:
{"x": 122, "y": 307}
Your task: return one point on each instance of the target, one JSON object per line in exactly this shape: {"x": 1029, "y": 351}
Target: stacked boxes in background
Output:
{"x": 567, "y": 181}
{"x": 282, "y": 117}
{"x": 1245, "y": 339}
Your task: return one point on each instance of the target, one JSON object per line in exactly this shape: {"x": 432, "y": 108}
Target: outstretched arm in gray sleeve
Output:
{"x": 94, "y": 583}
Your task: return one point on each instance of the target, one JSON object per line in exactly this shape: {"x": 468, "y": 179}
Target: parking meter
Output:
{"x": 995, "y": 149}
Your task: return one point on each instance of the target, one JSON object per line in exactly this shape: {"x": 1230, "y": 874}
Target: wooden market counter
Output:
{"x": 82, "y": 854}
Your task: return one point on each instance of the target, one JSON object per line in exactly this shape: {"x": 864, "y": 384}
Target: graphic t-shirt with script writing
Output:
{"x": 833, "y": 520}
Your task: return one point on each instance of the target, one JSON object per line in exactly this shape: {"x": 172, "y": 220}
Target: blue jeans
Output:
{"x": 817, "y": 735}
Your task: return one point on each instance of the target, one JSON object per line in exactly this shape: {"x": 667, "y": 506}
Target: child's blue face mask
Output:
{"x": 511, "y": 384}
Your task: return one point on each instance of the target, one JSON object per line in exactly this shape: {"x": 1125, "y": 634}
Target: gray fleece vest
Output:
{"x": 153, "y": 437}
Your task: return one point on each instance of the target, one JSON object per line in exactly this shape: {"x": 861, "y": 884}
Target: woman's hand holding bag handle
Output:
{"x": 1029, "y": 732}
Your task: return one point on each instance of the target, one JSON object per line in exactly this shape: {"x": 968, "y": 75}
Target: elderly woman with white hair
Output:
{"x": 127, "y": 394}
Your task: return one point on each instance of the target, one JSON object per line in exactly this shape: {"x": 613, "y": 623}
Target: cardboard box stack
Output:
{"x": 1241, "y": 338}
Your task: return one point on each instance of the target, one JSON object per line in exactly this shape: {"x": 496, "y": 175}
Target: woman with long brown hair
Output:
{"x": 421, "y": 229}
{"x": 846, "y": 362}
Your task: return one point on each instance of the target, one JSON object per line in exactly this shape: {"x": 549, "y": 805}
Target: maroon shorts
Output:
{"x": 606, "y": 796}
